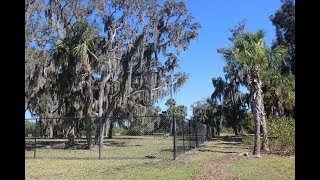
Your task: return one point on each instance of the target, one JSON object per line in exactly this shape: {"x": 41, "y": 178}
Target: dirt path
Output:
{"x": 213, "y": 169}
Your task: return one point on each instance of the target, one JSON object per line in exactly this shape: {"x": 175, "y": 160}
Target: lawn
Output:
{"x": 195, "y": 164}
{"x": 120, "y": 147}
{"x": 267, "y": 167}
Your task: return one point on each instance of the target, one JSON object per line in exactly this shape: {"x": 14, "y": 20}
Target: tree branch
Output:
{"x": 146, "y": 90}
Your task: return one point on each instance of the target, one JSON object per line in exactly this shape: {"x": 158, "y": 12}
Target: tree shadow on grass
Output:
{"x": 95, "y": 158}
{"x": 242, "y": 147}
{"x": 166, "y": 150}
{"x": 206, "y": 150}
{"x": 230, "y": 143}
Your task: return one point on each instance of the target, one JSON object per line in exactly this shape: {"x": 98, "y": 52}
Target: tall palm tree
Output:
{"x": 74, "y": 50}
{"x": 249, "y": 49}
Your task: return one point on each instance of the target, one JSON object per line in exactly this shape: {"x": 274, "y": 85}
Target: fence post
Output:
{"x": 190, "y": 133}
{"x": 35, "y": 140}
{"x": 99, "y": 136}
{"x": 183, "y": 135}
{"x": 196, "y": 133}
{"x": 174, "y": 137}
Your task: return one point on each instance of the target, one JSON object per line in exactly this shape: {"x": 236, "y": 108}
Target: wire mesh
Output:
{"x": 141, "y": 137}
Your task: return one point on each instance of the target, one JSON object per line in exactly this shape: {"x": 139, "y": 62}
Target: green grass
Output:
{"x": 83, "y": 164}
{"x": 274, "y": 167}
{"x": 124, "y": 147}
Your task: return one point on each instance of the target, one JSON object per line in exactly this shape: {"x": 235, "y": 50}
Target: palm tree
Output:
{"x": 249, "y": 49}
{"x": 232, "y": 100}
{"x": 76, "y": 48}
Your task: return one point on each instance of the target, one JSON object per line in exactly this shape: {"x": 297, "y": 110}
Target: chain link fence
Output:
{"x": 152, "y": 137}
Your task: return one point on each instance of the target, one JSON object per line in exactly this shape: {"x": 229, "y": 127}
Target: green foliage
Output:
{"x": 134, "y": 132}
{"x": 29, "y": 128}
{"x": 144, "y": 126}
{"x": 248, "y": 49}
{"x": 247, "y": 123}
{"x": 281, "y": 132}
{"x": 227, "y": 130}
{"x": 283, "y": 129}
{"x": 179, "y": 110}
{"x": 284, "y": 22}
{"x": 119, "y": 130}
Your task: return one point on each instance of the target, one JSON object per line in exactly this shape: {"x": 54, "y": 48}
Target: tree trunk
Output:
{"x": 280, "y": 109}
{"x": 89, "y": 99}
{"x": 214, "y": 132}
{"x": 101, "y": 123}
{"x": 235, "y": 129}
{"x": 106, "y": 127}
{"x": 88, "y": 132}
{"x": 218, "y": 127}
{"x": 255, "y": 109}
{"x": 71, "y": 135}
{"x": 264, "y": 130}
{"x": 209, "y": 132}
{"x": 110, "y": 130}
{"x": 51, "y": 131}
{"x": 41, "y": 128}
{"x": 256, "y": 103}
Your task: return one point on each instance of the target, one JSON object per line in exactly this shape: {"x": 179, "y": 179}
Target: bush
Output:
{"x": 281, "y": 132}
{"x": 226, "y": 130}
{"x": 283, "y": 129}
{"x": 248, "y": 123}
{"x": 119, "y": 130}
{"x": 134, "y": 132}
{"x": 29, "y": 128}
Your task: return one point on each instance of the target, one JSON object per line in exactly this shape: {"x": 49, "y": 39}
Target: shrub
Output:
{"x": 29, "y": 128}
{"x": 281, "y": 132}
{"x": 119, "y": 130}
{"x": 248, "y": 123}
{"x": 283, "y": 129}
{"x": 226, "y": 130}
{"x": 134, "y": 132}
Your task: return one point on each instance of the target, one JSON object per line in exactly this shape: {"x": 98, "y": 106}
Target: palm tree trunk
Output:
{"x": 255, "y": 109}
{"x": 264, "y": 129}
{"x": 256, "y": 103}
{"x": 89, "y": 99}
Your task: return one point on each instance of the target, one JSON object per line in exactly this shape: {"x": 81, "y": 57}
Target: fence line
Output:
{"x": 162, "y": 137}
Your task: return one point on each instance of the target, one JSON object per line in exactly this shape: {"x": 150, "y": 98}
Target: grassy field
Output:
{"x": 120, "y": 147}
{"x": 196, "y": 164}
{"x": 267, "y": 167}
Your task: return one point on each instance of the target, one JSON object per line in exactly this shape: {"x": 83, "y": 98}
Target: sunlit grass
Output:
{"x": 119, "y": 147}
{"x": 274, "y": 167}
{"x": 72, "y": 164}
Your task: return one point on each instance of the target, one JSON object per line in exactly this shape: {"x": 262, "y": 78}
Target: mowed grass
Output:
{"x": 121, "y": 147}
{"x": 135, "y": 165}
{"x": 266, "y": 168}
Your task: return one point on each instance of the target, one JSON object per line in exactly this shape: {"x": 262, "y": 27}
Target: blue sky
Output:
{"x": 201, "y": 60}
{"x": 216, "y": 17}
